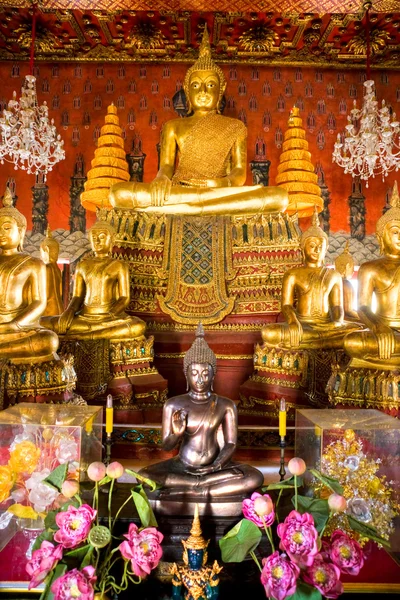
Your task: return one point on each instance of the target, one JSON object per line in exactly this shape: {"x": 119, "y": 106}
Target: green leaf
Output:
{"x": 143, "y": 507}
{"x": 305, "y": 592}
{"x": 152, "y": 484}
{"x": 367, "y": 531}
{"x": 318, "y": 508}
{"x": 78, "y": 553}
{"x": 88, "y": 559}
{"x": 283, "y": 485}
{"x": 331, "y": 483}
{"x": 50, "y": 520}
{"x": 152, "y": 521}
{"x": 239, "y": 541}
{"x": 57, "y": 477}
{"x": 59, "y": 571}
{"x": 105, "y": 480}
{"x": 45, "y": 535}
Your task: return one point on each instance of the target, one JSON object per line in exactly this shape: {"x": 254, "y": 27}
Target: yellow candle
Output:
{"x": 89, "y": 425}
{"x": 109, "y": 414}
{"x": 282, "y": 418}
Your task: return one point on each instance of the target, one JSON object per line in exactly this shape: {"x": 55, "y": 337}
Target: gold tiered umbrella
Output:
{"x": 109, "y": 165}
{"x": 296, "y": 171}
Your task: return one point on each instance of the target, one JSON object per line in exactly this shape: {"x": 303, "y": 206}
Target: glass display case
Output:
{"x": 361, "y": 449}
{"x": 35, "y": 439}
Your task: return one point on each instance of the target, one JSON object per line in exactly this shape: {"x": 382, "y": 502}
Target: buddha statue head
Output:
{"x": 344, "y": 263}
{"x": 49, "y": 248}
{"x": 388, "y": 226}
{"x": 195, "y": 546}
{"x": 205, "y": 82}
{"x": 314, "y": 241}
{"x": 102, "y": 235}
{"x": 12, "y": 225}
{"x": 200, "y": 364}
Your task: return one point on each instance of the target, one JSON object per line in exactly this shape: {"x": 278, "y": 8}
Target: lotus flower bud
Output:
{"x": 115, "y": 470}
{"x": 337, "y": 503}
{"x": 96, "y": 471}
{"x": 263, "y": 506}
{"x": 297, "y": 466}
{"x": 69, "y": 488}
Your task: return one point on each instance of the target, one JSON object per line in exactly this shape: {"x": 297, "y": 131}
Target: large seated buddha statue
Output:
{"x": 312, "y": 300}
{"x": 203, "y": 158}
{"x": 378, "y": 347}
{"x": 22, "y": 294}
{"x": 100, "y": 295}
{"x": 203, "y": 469}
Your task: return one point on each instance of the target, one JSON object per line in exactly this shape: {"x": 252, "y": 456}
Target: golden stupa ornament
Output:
{"x": 109, "y": 165}
{"x": 296, "y": 171}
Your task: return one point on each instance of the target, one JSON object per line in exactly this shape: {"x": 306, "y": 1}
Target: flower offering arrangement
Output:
{"x": 306, "y": 561}
{"x": 35, "y": 442}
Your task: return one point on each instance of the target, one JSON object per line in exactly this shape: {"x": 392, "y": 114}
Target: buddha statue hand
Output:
{"x": 160, "y": 189}
{"x": 65, "y": 321}
{"x": 386, "y": 341}
{"x": 179, "y": 422}
{"x": 295, "y": 333}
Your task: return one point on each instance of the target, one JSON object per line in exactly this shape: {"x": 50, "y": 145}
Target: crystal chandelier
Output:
{"x": 29, "y": 139}
{"x": 370, "y": 144}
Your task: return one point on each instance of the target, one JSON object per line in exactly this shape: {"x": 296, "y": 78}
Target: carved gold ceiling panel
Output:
{"x": 288, "y": 38}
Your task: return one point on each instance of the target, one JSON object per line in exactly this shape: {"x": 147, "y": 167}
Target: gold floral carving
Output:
{"x": 379, "y": 39}
{"x": 259, "y": 38}
{"x": 130, "y": 352}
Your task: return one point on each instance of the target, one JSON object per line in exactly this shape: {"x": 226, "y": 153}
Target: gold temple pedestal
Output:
{"x": 365, "y": 388}
{"x": 299, "y": 376}
{"x": 51, "y": 381}
{"x": 118, "y": 367}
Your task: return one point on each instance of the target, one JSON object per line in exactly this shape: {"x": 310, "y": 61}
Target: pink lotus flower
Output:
{"x": 256, "y": 511}
{"x": 74, "y": 524}
{"x": 345, "y": 553}
{"x": 299, "y": 538}
{"x": 325, "y": 577}
{"x": 75, "y": 584}
{"x": 279, "y": 576}
{"x": 42, "y": 562}
{"x": 142, "y": 549}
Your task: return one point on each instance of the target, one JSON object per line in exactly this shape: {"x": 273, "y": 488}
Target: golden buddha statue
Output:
{"x": 203, "y": 469}
{"x": 212, "y": 162}
{"x": 100, "y": 296}
{"x": 312, "y": 303}
{"x": 22, "y": 294}
{"x": 379, "y": 345}
{"x": 49, "y": 251}
{"x": 344, "y": 264}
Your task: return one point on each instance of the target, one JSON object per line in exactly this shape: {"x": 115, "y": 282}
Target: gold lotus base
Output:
{"x": 282, "y": 362}
{"x": 365, "y": 388}
{"x": 131, "y": 352}
{"x": 51, "y": 380}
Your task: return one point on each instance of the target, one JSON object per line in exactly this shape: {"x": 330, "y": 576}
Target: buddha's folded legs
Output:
{"x": 277, "y": 334}
{"x": 363, "y": 346}
{"x": 201, "y": 201}
{"x": 30, "y": 345}
{"x": 90, "y": 329}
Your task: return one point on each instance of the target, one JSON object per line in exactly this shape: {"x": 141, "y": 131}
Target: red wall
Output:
{"x": 59, "y": 180}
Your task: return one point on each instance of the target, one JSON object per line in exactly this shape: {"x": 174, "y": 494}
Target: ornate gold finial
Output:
{"x": 315, "y": 230}
{"x": 204, "y": 63}
{"x": 10, "y": 210}
{"x": 195, "y": 541}
{"x": 344, "y": 260}
{"x": 393, "y": 214}
{"x": 199, "y": 352}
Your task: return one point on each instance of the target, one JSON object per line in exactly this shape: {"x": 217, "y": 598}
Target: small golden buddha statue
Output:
{"x": 49, "y": 251}
{"x": 212, "y": 152}
{"x": 344, "y": 264}
{"x": 379, "y": 345}
{"x": 312, "y": 303}
{"x": 22, "y": 294}
{"x": 194, "y": 580}
{"x": 202, "y": 469}
{"x": 100, "y": 295}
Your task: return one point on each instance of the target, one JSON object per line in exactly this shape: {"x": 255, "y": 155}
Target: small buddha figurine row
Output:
{"x": 97, "y": 307}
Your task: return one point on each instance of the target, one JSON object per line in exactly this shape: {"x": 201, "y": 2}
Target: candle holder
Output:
{"x": 282, "y": 470}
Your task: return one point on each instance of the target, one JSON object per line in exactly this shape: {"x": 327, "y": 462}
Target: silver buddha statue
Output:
{"x": 203, "y": 468}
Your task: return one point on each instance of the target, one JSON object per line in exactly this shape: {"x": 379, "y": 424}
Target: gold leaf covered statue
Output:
{"x": 49, "y": 250}
{"x": 312, "y": 303}
{"x": 379, "y": 345}
{"x": 100, "y": 296}
{"x": 203, "y": 469}
{"x": 22, "y": 294}
{"x": 344, "y": 264}
{"x": 212, "y": 155}
{"x": 194, "y": 580}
